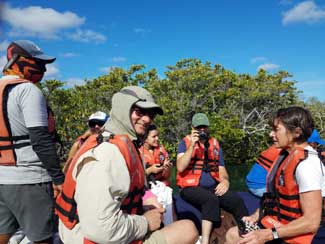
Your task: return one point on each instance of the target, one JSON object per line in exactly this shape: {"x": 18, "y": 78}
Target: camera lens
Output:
{"x": 203, "y": 135}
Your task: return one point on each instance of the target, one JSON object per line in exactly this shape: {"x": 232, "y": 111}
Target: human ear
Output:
{"x": 297, "y": 132}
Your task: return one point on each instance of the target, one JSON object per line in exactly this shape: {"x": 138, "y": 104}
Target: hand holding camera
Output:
{"x": 194, "y": 136}
{"x": 245, "y": 226}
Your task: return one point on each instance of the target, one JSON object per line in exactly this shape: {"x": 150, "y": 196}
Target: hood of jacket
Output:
{"x": 122, "y": 102}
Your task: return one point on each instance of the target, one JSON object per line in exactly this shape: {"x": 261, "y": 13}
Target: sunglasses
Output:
{"x": 201, "y": 127}
{"x": 92, "y": 123}
{"x": 144, "y": 112}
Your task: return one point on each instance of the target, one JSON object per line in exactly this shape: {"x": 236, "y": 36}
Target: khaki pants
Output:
{"x": 155, "y": 237}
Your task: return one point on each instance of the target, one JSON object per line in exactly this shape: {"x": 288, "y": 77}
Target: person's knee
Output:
{"x": 174, "y": 233}
{"x": 232, "y": 235}
{"x": 190, "y": 228}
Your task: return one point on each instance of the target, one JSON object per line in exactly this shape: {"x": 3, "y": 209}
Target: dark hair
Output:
{"x": 296, "y": 117}
{"x": 150, "y": 128}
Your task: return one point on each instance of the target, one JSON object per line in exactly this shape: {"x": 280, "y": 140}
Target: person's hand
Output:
{"x": 154, "y": 169}
{"x": 194, "y": 136}
{"x": 257, "y": 237}
{"x": 167, "y": 164}
{"x": 252, "y": 219}
{"x": 151, "y": 203}
{"x": 56, "y": 190}
{"x": 154, "y": 218}
{"x": 222, "y": 187}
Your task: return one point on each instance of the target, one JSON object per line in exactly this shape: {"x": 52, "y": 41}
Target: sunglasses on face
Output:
{"x": 200, "y": 127}
{"x": 144, "y": 112}
{"x": 94, "y": 122}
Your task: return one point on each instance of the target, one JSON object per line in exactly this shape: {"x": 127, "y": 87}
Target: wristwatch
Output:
{"x": 275, "y": 234}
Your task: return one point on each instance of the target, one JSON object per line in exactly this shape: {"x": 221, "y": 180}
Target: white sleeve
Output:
{"x": 101, "y": 187}
{"x": 309, "y": 175}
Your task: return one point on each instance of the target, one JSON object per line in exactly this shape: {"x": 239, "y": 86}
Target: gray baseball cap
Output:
{"x": 142, "y": 98}
{"x": 28, "y": 49}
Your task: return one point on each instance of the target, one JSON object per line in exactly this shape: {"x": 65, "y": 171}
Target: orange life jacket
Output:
{"x": 7, "y": 152}
{"x": 284, "y": 206}
{"x": 267, "y": 157}
{"x": 191, "y": 175}
{"x": 66, "y": 206}
{"x": 157, "y": 157}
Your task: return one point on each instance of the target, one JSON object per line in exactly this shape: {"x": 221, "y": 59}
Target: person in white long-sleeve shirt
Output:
{"x": 103, "y": 182}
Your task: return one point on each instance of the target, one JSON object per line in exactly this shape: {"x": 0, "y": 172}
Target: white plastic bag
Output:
{"x": 164, "y": 197}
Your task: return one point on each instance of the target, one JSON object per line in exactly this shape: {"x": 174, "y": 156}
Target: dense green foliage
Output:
{"x": 239, "y": 106}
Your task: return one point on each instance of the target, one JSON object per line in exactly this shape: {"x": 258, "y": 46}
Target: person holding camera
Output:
{"x": 203, "y": 178}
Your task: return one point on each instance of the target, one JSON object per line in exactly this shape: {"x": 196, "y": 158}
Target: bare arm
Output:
{"x": 223, "y": 186}
{"x": 311, "y": 205}
{"x": 72, "y": 152}
{"x": 184, "y": 159}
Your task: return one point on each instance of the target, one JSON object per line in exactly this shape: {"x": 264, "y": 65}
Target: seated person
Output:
{"x": 155, "y": 157}
{"x": 203, "y": 178}
{"x": 95, "y": 123}
{"x": 158, "y": 170}
{"x": 315, "y": 140}
{"x": 292, "y": 207}
{"x": 256, "y": 178}
{"x": 101, "y": 200}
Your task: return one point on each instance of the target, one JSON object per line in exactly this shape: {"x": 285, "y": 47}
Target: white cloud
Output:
{"x": 258, "y": 60}
{"x": 268, "y": 66}
{"x": 87, "y": 36}
{"x": 306, "y": 11}
{"x": 38, "y": 21}
{"x": 47, "y": 23}
{"x": 3, "y": 45}
{"x": 3, "y": 61}
{"x": 74, "y": 81}
{"x": 118, "y": 59}
{"x": 69, "y": 55}
{"x": 52, "y": 72}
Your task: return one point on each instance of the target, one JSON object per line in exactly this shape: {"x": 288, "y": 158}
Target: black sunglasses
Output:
{"x": 142, "y": 112}
{"x": 92, "y": 123}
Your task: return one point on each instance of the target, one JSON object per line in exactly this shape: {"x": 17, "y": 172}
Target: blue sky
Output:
{"x": 89, "y": 37}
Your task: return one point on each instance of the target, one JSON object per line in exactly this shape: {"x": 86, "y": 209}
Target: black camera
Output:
{"x": 203, "y": 136}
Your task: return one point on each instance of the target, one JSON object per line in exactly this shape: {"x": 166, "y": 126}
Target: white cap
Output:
{"x": 99, "y": 115}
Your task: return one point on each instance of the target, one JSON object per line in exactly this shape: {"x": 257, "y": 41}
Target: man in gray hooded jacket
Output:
{"x": 104, "y": 182}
